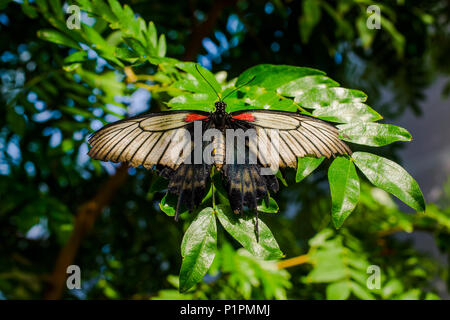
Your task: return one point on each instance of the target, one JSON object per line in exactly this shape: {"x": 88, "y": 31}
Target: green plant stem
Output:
{"x": 213, "y": 192}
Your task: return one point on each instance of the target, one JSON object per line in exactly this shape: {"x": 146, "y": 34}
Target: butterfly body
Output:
{"x": 168, "y": 141}
{"x": 220, "y": 117}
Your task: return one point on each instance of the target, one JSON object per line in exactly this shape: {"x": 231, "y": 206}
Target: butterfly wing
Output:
{"x": 280, "y": 139}
{"x": 291, "y": 136}
{"x": 162, "y": 140}
{"x": 148, "y": 140}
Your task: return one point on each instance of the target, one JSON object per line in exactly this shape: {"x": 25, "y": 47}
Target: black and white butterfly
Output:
{"x": 159, "y": 141}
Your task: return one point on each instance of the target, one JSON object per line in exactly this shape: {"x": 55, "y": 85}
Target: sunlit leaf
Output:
{"x": 373, "y": 134}
{"x": 78, "y": 56}
{"x": 243, "y": 230}
{"x": 391, "y": 177}
{"x": 344, "y": 186}
{"x": 57, "y": 37}
{"x": 271, "y": 207}
{"x": 306, "y": 165}
{"x": 198, "y": 249}
{"x": 347, "y": 113}
{"x": 162, "y": 46}
{"x": 152, "y": 36}
{"x": 198, "y": 101}
{"x": 191, "y": 68}
{"x": 338, "y": 290}
{"x": 300, "y": 86}
{"x": 318, "y": 97}
{"x": 168, "y": 205}
{"x": 361, "y": 292}
{"x": 274, "y": 76}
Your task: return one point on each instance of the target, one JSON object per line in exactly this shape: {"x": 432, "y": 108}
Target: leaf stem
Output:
{"x": 293, "y": 262}
{"x": 213, "y": 192}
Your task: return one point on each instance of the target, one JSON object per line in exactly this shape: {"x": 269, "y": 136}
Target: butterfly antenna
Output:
{"x": 196, "y": 67}
{"x": 242, "y": 85}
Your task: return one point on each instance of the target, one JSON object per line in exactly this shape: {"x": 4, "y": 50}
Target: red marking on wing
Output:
{"x": 195, "y": 117}
{"x": 245, "y": 117}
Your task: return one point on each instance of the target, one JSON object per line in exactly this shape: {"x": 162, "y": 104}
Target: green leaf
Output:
{"x": 361, "y": 292}
{"x": 243, "y": 230}
{"x": 299, "y": 86}
{"x": 77, "y": 111}
{"x": 347, "y": 113}
{"x": 30, "y": 11}
{"x": 310, "y": 17}
{"x": 100, "y": 7}
{"x": 126, "y": 54}
{"x": 390, "y": 177}
{"x": 57, "y": 37}
{"x": 344, "y": 186}
{"x": 85, "y": 5}
{"x": 272, "y": 207}
{"x": 197, "y": 101}
{"x": 152, "y": 36}
{"x": 318, "y": 97}
{"x": 260, "y": 98}
{"x": 162, "y": 46}
{"x": 413, "y": 294}
{"x": 343, "y": 28}
{"x": 271, "y": 76}
{"x": 373, "y": 134}
{"x": 57, "y": 8}
{"x": 191, "y": 84}
{"x": 252, "y": 97}
{"x": 338, "y": 290}
{"x": 306, "y": 165}
{"x": 78, "y": 56}
{"x": 398, "y": 38}
{"x": 365, "y": 34}
{"x": 136, "y": 46}
{"x": 95, "y": 38}
{"x": 279, "y": 175}
{"x": 191, "y": 68}
{"x": 198, "y": 249}
{"x": 168, "y": 205}
{"x": 328, "y": 266}
{"x": 162, "y": 60}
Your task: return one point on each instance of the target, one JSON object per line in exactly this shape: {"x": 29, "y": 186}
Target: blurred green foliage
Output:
{"x": 53, "y": 96}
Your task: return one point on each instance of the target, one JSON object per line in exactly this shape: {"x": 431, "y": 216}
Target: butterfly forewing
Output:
{"x": 159, "y": 138}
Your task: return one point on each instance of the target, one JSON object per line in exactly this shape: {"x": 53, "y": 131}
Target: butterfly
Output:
{"x": 169, "y": 142}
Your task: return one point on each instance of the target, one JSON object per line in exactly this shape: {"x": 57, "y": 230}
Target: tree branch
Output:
{"x": 84, "y": 221}
{"x": 293, "y": 262}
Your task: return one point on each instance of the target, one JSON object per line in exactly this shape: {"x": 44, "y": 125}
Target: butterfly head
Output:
{"x": 220, "y": 106}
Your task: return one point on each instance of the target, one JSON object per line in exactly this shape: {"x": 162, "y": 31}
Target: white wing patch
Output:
{"x": 147, "y": 140}
{"x": 299, "y": 136}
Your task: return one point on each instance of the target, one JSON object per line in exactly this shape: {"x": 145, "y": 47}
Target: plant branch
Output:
{"x": 84, "y": 221}
{"x": 292, "y": 262}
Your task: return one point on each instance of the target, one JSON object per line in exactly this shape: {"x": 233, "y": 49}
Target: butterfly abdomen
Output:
{"x": 218, "y": 151}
